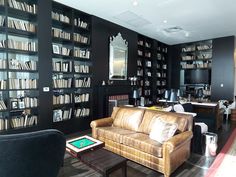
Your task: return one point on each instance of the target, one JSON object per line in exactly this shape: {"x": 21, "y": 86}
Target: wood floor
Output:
{"x": 196, "y": 166}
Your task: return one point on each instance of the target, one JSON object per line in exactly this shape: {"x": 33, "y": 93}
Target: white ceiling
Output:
{"x": 197, "y": 19}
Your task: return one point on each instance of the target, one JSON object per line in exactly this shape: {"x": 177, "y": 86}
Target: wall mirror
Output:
{"x": 118, "y": 56}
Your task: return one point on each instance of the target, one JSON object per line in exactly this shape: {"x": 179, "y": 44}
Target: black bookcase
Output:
{"x": 152, "y": 67}
{"x": 19, "y": 92}
{"x": 72, "y": 68}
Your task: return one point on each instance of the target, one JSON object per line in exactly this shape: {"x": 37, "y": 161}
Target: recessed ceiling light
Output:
{"x": 135, "y": 3}
{"x": 186, "y": 34}
{"x": 164, "y": 21}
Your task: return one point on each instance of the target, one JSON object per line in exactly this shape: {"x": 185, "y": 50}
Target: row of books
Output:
{"x": 79, "y": 98}
{"x": 62, "y": 99}
{"x": 3, "y": 84}
{"x": 160, "y": 91}
{"x": 83, "y": 82}
{"x": 159, "y": 74}
{"x": 81, "y": 68}
{"x": 22, "y": 65}
{"x": 2, "y": 20}
{"x": 60, "y": 115}
{"x": 204, "y": 47}
{"x": 147, "y": 92}
{"x": 57, "y": 49}
{"x": 140, "y": 42}
{"x": 147, "y": 54}
{"x": 188, "y": 49}
{"x": 161, "y": 83}
{"x": 25, "y": 102}
{"x": 140, "y": 52}
{"x": 4, "y": 124}
{"x": 62, "y": 83}
{"x": 80, "y": 38}
{"x": 2, "y": 105}
{"x": 139, "y": 63}
{"x": 82, "y": 53}
{"x": 60, "y": 17}
{"x": 139, "y": 72}
{"x": 23, "y": 6}
{"x": 22, "y": 83}
{"x": 80, "y": 23}
{"x": 62, "y": 66}
{"x": 82, "y": 112}
{"x": 21, "y": 45}
{"x": 23, "y": 121}
{"x": 188, "y": 57}
{"x": 21, "y": 25}
{"x": 60, "y": 34}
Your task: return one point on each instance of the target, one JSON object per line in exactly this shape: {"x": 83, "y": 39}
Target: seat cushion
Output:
{"x": 128, "y": 118}
{"x": 142, "y": 142}
{"x": 113, "y": 133}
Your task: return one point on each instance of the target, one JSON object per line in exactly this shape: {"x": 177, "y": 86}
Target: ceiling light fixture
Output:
{"x": 135, "y": 3}
{"x": 186, "y": 34}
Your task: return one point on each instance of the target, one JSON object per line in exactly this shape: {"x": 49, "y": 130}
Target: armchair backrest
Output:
{"x": 32, "y": 154}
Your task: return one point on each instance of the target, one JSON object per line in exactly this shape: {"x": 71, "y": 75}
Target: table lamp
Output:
{"x": 173, "y": 99}
{"x": 135, "y": 96}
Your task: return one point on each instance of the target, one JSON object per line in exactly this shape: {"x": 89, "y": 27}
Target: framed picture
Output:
{"x": 55, "y": 49}
{"x": 14, "y": 104}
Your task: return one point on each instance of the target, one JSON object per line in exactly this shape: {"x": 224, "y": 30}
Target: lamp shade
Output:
{"x": 135, "y": 94}
{"x": 166, "y": 96}
{"x": 178, "y": 93}
{"x": 173, "y": 96}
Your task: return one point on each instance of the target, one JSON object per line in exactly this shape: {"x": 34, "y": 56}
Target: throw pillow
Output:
{"x": 162, "y": 131}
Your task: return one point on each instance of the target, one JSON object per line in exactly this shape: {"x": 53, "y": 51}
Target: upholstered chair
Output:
{"x": 32, "y": 154}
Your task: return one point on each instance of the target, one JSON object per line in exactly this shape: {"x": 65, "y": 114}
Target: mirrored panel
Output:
{"x": 118, "y": 56}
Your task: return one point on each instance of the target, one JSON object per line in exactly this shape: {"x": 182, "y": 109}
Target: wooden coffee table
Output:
{"x": 93, "y": 155}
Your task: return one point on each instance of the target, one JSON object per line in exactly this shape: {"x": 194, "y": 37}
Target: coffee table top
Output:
{"x": 82, "y": 144}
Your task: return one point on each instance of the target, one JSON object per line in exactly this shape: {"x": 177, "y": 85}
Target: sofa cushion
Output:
{"x": 162, "y": 131}
{"x": 114, "y": 112}
{"x": 184, "y": 121}
{"x": 113, "y": 133}
{"x": 142, "y": 142}
{"x": 128, "y": 118}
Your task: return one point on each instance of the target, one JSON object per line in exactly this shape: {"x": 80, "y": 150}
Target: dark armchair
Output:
{"x": 32, "y": 154}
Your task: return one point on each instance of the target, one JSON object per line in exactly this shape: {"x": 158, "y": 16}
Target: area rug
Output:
{"x": 225, "y": 162}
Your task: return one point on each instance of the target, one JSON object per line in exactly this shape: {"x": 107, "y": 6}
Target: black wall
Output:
{"x": 223, "y": 68}
{"x": 102, "y": 30}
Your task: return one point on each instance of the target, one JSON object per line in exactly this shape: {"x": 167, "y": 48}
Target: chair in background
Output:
{"x": 32, "y": 154}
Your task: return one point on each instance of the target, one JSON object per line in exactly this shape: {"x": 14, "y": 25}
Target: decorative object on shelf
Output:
{"x": 118, "y": 56}
{"x": 133, "y": 80}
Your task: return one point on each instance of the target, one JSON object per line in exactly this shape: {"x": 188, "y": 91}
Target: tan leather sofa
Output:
{"x": 126, "y": 133}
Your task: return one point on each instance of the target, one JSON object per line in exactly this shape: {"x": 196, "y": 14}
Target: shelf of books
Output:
{"x": 71, "y": 64}
{"x": 161, "y": 69}
{"x": 144, "y": 69}
{"x": 18, "y": 65}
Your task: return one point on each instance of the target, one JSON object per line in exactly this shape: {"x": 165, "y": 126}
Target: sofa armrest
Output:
{"x": 176, "y": 151}
{"x": 104, "y": 122}
{"x": 177, "y": 140}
